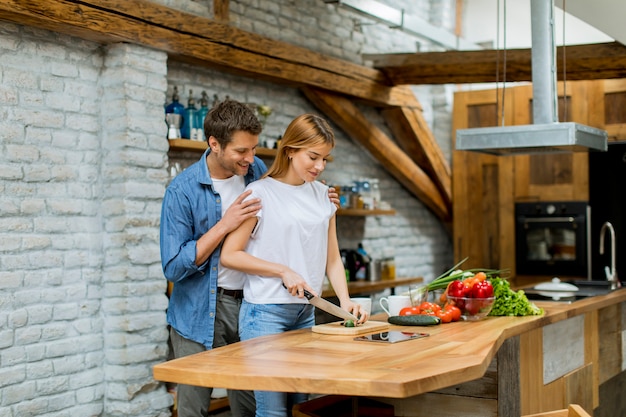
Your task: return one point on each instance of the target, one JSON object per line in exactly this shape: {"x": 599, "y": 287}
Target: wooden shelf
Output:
{"x": 365, "y": 212}
{"x": 367, "y": 287}
{"x": 200, "y": 146}
{"x": 266, "y": 152}
{"x": 187, "y": 145}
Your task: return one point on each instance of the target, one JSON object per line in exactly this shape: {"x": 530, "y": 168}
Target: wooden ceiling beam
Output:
{"x": 346, "y": 115}
{"x": 412, "y": 133}
{"x": 205, "y": 42}
{"x": 582, "y": 62}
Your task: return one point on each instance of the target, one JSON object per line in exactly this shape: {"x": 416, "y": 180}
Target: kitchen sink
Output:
{"x": 586, "y": 289}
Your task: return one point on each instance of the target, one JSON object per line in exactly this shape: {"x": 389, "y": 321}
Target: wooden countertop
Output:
{"x": 303, "y": 361}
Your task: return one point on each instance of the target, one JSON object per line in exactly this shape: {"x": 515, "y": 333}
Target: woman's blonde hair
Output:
{"x": 305, "y": 131}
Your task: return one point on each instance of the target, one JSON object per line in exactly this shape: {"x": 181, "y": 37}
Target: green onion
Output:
{"x": 452, "y": 274}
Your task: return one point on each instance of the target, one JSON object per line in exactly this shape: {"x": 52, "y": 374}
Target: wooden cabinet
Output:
{"x": 607, "y": 105}
{"x": 550, "y": 177}
{"x": 482, "y": 186}
{"x": 486, "y": 188}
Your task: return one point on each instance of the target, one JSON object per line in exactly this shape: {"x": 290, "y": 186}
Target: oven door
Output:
{"x": 552, "y": 245}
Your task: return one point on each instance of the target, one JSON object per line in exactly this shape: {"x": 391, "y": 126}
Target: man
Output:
{"x": 200, "y": 207}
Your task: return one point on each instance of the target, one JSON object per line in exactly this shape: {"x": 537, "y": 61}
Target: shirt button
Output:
{"x": 211, "y": 314}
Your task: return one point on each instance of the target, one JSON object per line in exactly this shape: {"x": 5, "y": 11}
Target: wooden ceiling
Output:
{"x": 582, "y": 62}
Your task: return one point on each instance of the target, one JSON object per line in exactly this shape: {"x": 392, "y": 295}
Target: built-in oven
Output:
{"x": 553, "y": 238}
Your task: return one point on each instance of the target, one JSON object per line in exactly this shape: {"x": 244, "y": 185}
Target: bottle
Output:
{"x": 174, "y": 123}
{"x": 188, "y": 130}
{"x": 353, "y": 192}
{"x": 375, "y": 190}
{"x": 344, "y": 196}
{"x": 175, "y": 106}
{"x": 365, "y": 190}
{"x": 200, "y": 115}
{"x": 362, "y": 271}
{"x": 391, "y": 268}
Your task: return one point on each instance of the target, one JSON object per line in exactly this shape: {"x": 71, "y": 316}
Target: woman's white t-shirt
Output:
{"x": 292, "y": 230}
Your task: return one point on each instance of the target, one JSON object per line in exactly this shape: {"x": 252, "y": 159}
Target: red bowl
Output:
{"x": 472, "y": 308}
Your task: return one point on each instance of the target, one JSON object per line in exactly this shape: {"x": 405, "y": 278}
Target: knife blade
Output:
{"x": 329, "y": 307}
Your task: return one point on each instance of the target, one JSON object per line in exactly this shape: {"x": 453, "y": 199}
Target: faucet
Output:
{"x": 611, "y": 274}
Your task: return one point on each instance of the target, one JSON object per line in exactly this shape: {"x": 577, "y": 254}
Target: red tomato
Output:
{"x": 456, "y": 289}
{"x": 482, "y": 289}
{"x": 454, "y": 311}
{"x": 410, "y": 311}
{"x": 427, "y": 306}
{"x": 473, "y": 306}
{"x": 445, "y": 316}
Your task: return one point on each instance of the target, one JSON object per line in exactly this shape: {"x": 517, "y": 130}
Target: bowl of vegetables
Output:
{"x": 473, "y": 296}
{"x": 477, "y": 292}
{"x": 472, "y": 308}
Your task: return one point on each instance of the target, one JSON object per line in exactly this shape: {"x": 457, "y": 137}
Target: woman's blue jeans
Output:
{"x": 263, "y": 319}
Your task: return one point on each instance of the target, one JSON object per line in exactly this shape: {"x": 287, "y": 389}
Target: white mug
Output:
{"x": 364, "y": 302}
{"x": 395, "y": 303}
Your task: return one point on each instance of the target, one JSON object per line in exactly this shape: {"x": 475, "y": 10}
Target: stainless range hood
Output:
{"x": 529, "y": 139}
{"x": 547, "y": 135}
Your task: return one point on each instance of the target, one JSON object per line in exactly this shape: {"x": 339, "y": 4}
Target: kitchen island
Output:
{"x": 503, "y": 366}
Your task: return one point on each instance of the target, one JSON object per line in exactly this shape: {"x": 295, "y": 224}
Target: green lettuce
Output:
{"x": 509, "y": 302}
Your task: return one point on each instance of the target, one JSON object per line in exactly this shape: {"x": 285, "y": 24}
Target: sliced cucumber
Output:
{"x": 414, "y": 320}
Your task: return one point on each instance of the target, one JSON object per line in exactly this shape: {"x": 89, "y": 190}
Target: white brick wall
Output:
{"x": 82, "y": 294}
{"x": 83, "y": 167}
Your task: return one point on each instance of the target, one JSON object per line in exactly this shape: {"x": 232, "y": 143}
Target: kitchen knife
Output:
{"x": 329, "y": 307}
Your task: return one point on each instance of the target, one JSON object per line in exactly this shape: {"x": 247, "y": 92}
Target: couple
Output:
{"x": 281, "y": 230}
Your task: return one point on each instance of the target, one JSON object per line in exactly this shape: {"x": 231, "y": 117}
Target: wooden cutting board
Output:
{"x": 338, "y": 328}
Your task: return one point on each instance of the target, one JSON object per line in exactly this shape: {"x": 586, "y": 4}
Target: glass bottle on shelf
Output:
{"x": 375, "y": 190}
{"x": 189, "y": 128}
{"x": 365, "y": 190}
{"x": 175, "y": 106}
{"x": 200, "y": 115}
{"x": 174, "y": 123}
{"x": 363, "y": 271}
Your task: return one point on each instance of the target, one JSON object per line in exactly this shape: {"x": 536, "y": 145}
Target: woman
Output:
{"x": 289, "y": 246}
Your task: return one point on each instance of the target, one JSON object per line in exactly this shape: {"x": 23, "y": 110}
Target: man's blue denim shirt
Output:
{"x": 191, "y": 206}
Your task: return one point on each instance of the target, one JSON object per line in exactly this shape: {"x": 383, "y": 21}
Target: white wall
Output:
{"x": 481, "y": 24}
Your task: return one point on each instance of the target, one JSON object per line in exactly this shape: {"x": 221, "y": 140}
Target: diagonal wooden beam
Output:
{"x": 416, "y": 139}
{"x": 347, "y": 116}
{"x": 204, "y": 42}
{"x": 582, "y": 62}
